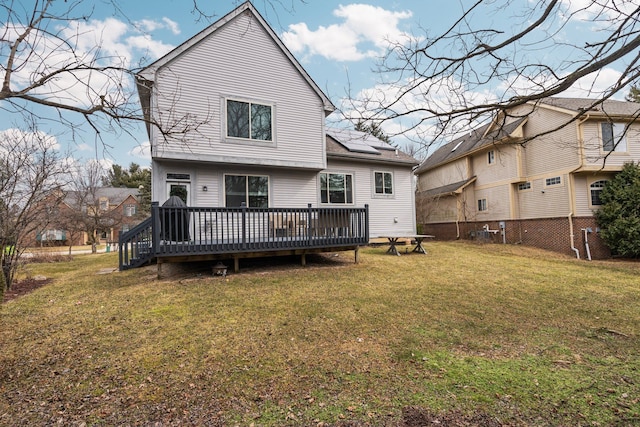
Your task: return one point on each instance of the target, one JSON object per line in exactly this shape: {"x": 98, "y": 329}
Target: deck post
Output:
{"x": 155, "y": 227}
{"x": 356, "y": 254}
{"x": 366, "y": 222}
{"x": 309, "y": 224}
{"x": 303, "y": 259}
{"x": 244, "y": 226}
{"x": 236, "y": 264}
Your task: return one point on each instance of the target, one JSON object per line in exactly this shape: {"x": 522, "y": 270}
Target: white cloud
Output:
{"x": 365, "y": 32}
{"x": 171, "y": 25}
{"x": 79, "y": 45}
{"x": 142, "y": 151}
{"x": 148, "y": 25}
{"x": 594, "y": 85}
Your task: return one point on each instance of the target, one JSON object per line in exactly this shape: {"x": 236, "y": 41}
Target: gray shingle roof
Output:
{"x": 447, "y": 189}
{"x": 470, "y": 142}
{"x": 608, "y": 107}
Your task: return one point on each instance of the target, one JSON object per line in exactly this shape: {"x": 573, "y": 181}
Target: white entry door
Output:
{"x": 181, "y": 189}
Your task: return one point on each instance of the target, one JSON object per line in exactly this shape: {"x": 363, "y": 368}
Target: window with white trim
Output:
{"x": 383, "y": 182}
{"x": 482, "y": 205}
{"x": 556, "y": 180}
{"x": 129, "y": 210}
{"x": 613, "y": 137}
{"x": 491, "y": 157}
{"x": 595, "y": 189}
{"x": 246, "y": 190}
{"x": 249, "y": 120}
{"x": 524, "y": 186}
{"x": 336, "y": 188}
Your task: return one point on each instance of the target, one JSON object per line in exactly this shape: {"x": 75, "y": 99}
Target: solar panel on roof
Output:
{"x": 354, "y": 142}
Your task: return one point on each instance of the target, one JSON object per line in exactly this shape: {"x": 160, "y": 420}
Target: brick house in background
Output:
{"x": 117, "y": 208}
{"x": 530, "y": 180}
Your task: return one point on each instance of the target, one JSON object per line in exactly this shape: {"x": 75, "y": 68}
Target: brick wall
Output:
{"x": 548, "y": 233}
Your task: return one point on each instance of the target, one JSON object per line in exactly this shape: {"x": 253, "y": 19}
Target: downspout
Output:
{"x": 571, "y": 195}
{"x": 573, "y": 247}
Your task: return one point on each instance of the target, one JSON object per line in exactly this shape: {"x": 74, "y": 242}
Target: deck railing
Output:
{"x": 180, "y": 231}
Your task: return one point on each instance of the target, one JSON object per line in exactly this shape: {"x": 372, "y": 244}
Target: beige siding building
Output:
{"x": 533, "y": 176}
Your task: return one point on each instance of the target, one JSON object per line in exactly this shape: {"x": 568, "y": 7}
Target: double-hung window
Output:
{"x": 246, "y": 190}
{"x": 249, "y": 120}
{"x": 613, "y": 137}
{"x": 491, "y": 157}
{"x": 383, "y": 183}
{"x": 595, "y": 190}
{"x": 336, "y": 188}
{"x": 482, "y": 205}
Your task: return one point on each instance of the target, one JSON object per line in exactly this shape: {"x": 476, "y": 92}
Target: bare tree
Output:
{"x": 31, "y": 171}
{"x": 91, "y": 212}
{"x": 439, "y": 85}
{"x": 50, "y": 72}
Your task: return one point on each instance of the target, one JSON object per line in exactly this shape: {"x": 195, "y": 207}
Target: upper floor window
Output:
{"x": 336, "y": 188}
{"x": 482, "y": 205}
{"x": 246, "y": 190}
{"x": 556, "y": 180}
{"x": 613, "y": 137}
{"x": 383, "y": 183}
{"x": 595, "y": 190}
{"x": 249, "y": 120}
{"x": 129, "y": 210}
{"x": 524, "y": 186}
{"x": 491, "y": 157}
{"x": 104, "y": 204}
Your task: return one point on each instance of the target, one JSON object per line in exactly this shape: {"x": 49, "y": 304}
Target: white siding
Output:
{"x": 387, "y": 215}
{"x": 239, "y": 60}
{"x": 287, "y": 188}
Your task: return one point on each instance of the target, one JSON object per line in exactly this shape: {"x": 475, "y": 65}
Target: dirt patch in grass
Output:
{"x": 23, "y": 287}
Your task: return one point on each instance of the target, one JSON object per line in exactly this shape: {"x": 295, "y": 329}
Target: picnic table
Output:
{"x": 393, "y": 241}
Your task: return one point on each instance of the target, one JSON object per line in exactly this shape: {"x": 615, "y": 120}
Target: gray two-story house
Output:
{"x": 236, "y": 123}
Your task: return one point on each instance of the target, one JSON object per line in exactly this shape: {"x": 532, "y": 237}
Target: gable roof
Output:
{"x": 115, "y": 195}
{"x": 449, "y": 189}
{"x": 356, "y": 145}
{"x": 473, "y": 141}
{"x": 147, "y": 74}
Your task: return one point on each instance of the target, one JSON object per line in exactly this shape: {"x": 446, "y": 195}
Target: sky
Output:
{"x": 339, "y": 44}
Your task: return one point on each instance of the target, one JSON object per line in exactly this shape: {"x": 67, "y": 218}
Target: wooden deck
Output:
{"x": 180, "y": 234}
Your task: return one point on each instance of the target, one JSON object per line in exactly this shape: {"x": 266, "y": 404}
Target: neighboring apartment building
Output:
{"x": 525, "y": 178}
{"x": 68, "y": 217}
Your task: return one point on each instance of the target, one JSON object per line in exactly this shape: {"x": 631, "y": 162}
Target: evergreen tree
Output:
{"x": 134, "y": 177}
{"x": 372, "y": 129}
{"x": 634, "y": 94}
{"x": 619, "y": 215}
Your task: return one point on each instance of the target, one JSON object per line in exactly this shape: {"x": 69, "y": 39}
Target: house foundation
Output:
{"x": 553, "y": 234}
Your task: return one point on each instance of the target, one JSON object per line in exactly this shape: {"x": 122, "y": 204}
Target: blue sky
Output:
{"x": 338, "y": 43}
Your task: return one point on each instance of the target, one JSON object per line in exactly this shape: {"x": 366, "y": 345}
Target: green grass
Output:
{"x": 525, "y": 336}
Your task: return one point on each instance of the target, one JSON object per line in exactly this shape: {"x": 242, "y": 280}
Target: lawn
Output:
{"x": 484, "y": 335}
